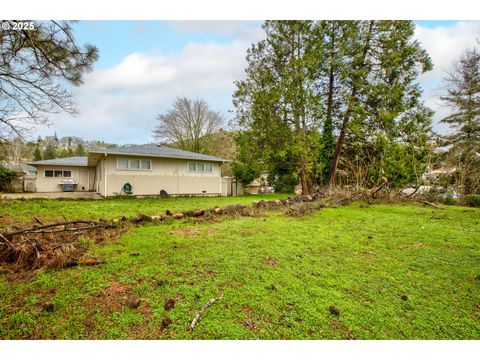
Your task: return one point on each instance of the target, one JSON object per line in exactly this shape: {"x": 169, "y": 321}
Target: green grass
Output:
{"x": 279, "y": 276}
{"x": 110, "y": 208}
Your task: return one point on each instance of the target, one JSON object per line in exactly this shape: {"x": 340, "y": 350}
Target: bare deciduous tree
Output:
{"x": 188, "y": 124}
{"x": 36, "y": 65}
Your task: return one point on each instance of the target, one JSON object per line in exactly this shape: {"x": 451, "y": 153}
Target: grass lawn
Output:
{"x": 110, "y": 208}
{"x": 393, "y": 271}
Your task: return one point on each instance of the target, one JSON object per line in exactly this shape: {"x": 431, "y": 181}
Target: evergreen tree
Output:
{"x": 62, "y": 153}
{"x": 310, "y": 81}
{"x": 80, "y": 150}
{"x": 329, "y": 75}
{"x": 49, "y": 152}
{"x": 277, "y": 104}
{"x": 383, "y": 100}
{"x": 463, "y": 97}
{"x": 36, "y": 67}
{"x": 37, "y": 155}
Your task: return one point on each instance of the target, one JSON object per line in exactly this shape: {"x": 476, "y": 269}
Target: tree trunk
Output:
{"x": 328, "y": 126}
{"x": 304, "y": 178}
{"x": 346, "y": 119}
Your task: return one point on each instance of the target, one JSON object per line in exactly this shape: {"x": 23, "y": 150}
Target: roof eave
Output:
{"x": 157, "y": 156}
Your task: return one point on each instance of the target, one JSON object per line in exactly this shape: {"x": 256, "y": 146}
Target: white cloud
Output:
{"x": 444, "y": 45}
{"x": 119, "y": 104}
{"x": 135, "y": 70}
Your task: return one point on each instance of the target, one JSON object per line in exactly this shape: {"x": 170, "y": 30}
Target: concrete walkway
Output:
{"x": 53, "y": 195}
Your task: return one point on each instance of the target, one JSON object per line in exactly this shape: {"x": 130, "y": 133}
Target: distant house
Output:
{"x": 434, "y": 174}
{"x": 137, "y": 170}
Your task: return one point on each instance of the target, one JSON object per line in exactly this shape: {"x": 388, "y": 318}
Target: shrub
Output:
{"x": 471, "y": 200}
{"x": 246, "y": 172}
{"x": 449, "y": 199}
{"x": 6, "y": 177}
{"x": 283, "y": 183}
{"x": 441, "y": 195}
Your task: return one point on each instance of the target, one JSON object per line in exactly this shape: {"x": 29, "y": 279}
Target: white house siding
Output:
{"x": 171, "y": 175}
{"x": 100, "y": 178}
{"x": 52, "y": 184}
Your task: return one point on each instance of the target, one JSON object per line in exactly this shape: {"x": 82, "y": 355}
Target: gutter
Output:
{"x": 162, "y": 157}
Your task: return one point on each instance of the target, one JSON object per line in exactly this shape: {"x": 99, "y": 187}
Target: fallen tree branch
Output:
{"x": 87, "y": 262}
{"x": 79, "y": 230}
{"x": 378, "y": 189}
{"x": 429, "y": 203}
{"x": 195, "y": 319}
{"x": 64, "y": 217}
{"x": 6, "y": 241}
{"x": 37, "y": 229}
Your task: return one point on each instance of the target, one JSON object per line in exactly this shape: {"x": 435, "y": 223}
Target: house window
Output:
{"x": 200, "y": 167}
{"x": 122, "y": 164}
{"x": 145, "y": 165}
{"x": 134, "y": 164}
{"x": 58, "y": 173}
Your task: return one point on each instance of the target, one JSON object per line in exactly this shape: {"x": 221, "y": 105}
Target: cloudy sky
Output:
{"x": 144, "y": 65}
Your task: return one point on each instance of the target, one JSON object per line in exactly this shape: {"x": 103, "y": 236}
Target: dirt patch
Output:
{"x": 249, "y": 321}
{"x": 116, "y": 297}
{"x": 194, "y": 232}
{"x": 269, "y": 260}
{"x": 112, "y": 299}
{"x": 251, "y": 232}
{"x": 338, "y": 326}
{"x": 7, "y": 220}
{"x": 117, "y": 288}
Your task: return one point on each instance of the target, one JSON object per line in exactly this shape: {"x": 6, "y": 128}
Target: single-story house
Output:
{"x": 137, "y": 170}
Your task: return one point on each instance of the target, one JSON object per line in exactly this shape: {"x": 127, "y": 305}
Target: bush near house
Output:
{"x": 472, "y": 200}
{"x": 6, "y": 178}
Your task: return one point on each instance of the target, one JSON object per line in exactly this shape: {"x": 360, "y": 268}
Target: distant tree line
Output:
{"x": 17, "y": 150}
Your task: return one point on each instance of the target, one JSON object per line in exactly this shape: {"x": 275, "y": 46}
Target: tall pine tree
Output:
{"x": 49, "y": 152}
{"x": 463, "y": 97}
{"x": 277, "y": 106}
{"x": 37, "y": 155}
